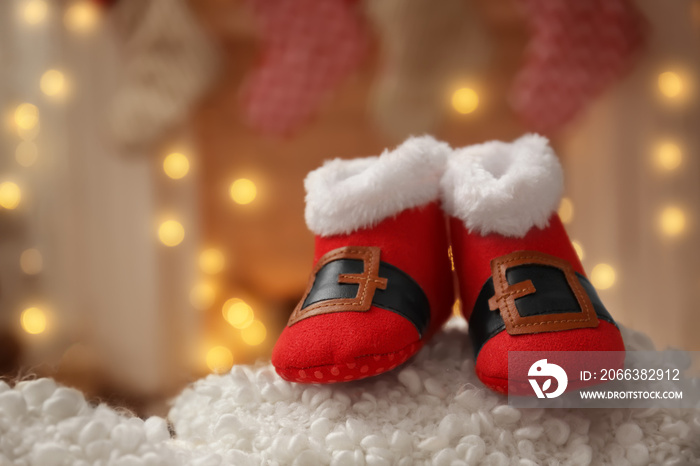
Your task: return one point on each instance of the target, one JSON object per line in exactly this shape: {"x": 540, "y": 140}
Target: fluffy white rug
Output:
{"x": 431, "y": 411}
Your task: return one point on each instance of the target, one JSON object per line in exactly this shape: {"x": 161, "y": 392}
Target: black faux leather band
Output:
{"x": 553, "y": 296}
{"x": 402, "y": 295}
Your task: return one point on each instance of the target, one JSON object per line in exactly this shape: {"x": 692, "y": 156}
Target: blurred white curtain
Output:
{"x": 619, "y": 192}
{"x": 93, "y": 213}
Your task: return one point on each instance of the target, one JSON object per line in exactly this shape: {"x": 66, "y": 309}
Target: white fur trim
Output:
{"x": 504, "y": 188}
{"x": 345, "y": 195}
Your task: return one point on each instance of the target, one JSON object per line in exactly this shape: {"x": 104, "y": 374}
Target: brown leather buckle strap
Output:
{"x": 353, "y": 279}
{"x": 531, "y": 292}
{"x": 506, "y": 294}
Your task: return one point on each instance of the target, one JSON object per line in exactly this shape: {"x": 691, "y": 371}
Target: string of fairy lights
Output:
{"x": 82, "y": 17}
{"x": 666, "y": 157}
{"x": 235, "y": 311}
{"x": 669, "y": 156}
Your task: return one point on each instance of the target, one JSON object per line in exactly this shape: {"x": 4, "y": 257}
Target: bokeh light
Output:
{"x": 457, "y": 307}
{"x": 219, "y": 359}
{"x": 202, "y": 295}
{"x": 465, "y": 100}
{"x": 566, "y": 210}
{"x": 243, "y": 191}
{"x": 26, "y": 116}
{"x": 246, "y": 323}
{"x": 171, "y": 233}
{"x": 31, "y": 261}
{"x": 28, "y": 134}
{"x": 34, "y": 11}
{"x": 254, "y": 334}
{"x": 670, "y": 84}
{"x": 176, "y": 165}
{"x": 672, "y": 221}
{"x": 579, "y": 249}
{"x": 26, "y": 153}
{"x": 33, "y": 320}
{"x": 82, "y": 17}
{"x": 668, "y": 156}
{"x": 52, "y": 83}
{"x": 211, "y": 261}
{"x": 603, "y": 276}
{"x": 238, "y": 313}
{"x": 10, "y": 195}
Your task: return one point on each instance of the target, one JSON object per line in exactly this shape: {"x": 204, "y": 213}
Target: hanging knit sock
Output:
{"x": 577, "y": 50}
{"x": 169, "y": 65}
{"x": 310, "y": 46}
{"x": 425, "y": 52}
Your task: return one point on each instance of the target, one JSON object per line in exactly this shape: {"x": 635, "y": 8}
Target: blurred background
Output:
{"x": 153, "y": 154}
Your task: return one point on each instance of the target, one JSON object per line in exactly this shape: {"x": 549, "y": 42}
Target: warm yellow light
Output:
{"x": 670, "y": 84}
{"x": 31, "y": 262}
{"x": 52, "y": 83}
{"x": 176, "y": 165}
{"x": 219, "y": 359}
{"x": 566, "y": 210}
{"x": 33, "y": 320}
{"x": 245, "y": 324}
{"x": 603, "y": 276}
{"x": 238, "y": 313}
{"x": 35, "y": 11}
{"x": 10, "y": 195}
{"x": 28, "y": 134}
{"x": 465, "y": 100}
{"x": 211, "y": 261}
{"x": 243, "y": 191}
{"x": 668, "y": 156}
{"x": 171, "y": 233}
{"x": 672, "y": 221}
{"x": 26, "y": 116}
{"x": 457, "y": 308}
{"x": 254, "y": 334}
{"x": 26, "y": 153}
{"x": 82, "y": 17}
{"x": 202, "y": 295}
{"x": 578, "y": 248}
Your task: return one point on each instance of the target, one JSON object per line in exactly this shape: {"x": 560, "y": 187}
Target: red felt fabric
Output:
{"x": 473, "y": 252}
{"x": 472, "y": 256}
{"x": 415, "y": 241}
{"x": 492, "y": 362}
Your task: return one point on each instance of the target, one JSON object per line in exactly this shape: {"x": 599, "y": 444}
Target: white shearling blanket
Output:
{"x": 432, "y": 410}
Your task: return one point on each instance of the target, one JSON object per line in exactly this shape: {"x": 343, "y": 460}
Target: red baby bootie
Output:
{"x": 521, "y": 284}
{"x": 381, "y": 284}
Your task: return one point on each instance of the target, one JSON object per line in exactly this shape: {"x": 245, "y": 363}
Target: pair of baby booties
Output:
{"x": 396, "y": 234}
